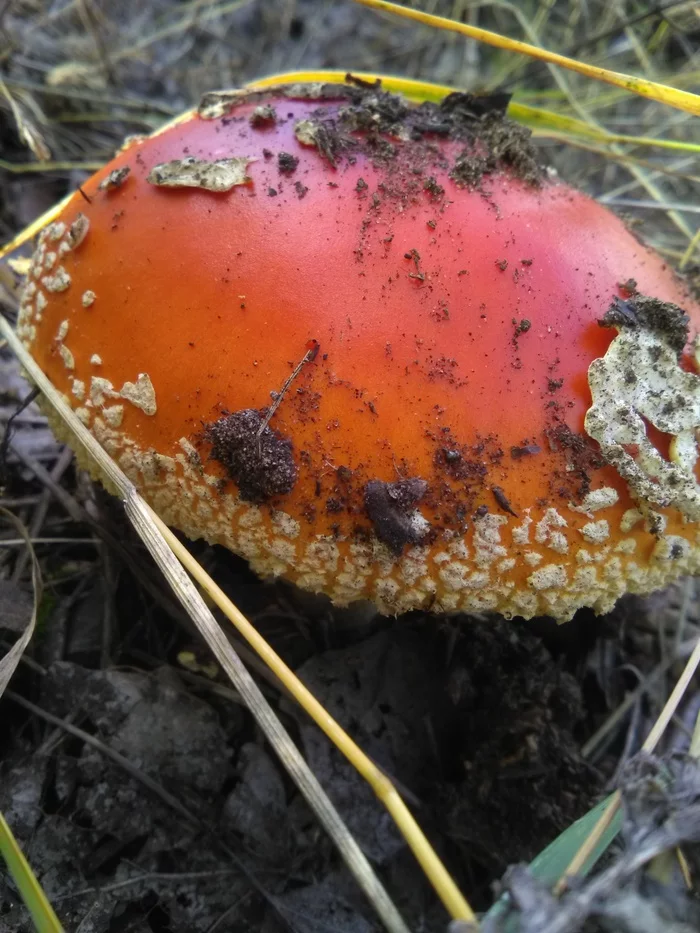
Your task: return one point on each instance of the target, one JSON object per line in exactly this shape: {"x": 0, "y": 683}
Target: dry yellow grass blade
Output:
{"x": 681, "y": 100}
{"x": 658, "y": 729}
{"x": 9, "y": 661}
{"x": 28, "y": 131}
{"x": 27, "y": 168}
{"x": 171, "y": 555}
{"x": 409, "y": 87}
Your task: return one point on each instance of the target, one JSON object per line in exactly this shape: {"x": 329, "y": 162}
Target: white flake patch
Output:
{"x": 78, "y": 389}
{"x": 640, "y": 378}
{"x": 96, "y": 359}
{"x": 307, "y": 132}
{"x": 41, "y": 303}
{"x": 62, "y": 331}
{"x": 629, "y": 519}
{"x": 66, "y": 356}
{"x": 55, "y": 230}
{"x": 100, "y": 389}
{"x": 58, "y": 282}
{"x": 141, "y": 394}
{"x": 215, "y": 104}
{"x": 221, "y": 175}
{"x": 546, "y": 533}
{"x": 655, "y": 523}
{"x": 284, "y": 524}
{"x": 551, "y": 577}
{"x": 191, "y": 453}
{"x": 487, "y": 539}
{"x": 113, "y": 415}
{"x": 135, "y": 139}
{"x": 88, "y": 298}
{"x": 670, "y": 548}
{"x": 115, "y": 179}
{"x": 521, "y": 533}
{"x": 596, "y": 499}
{"x": 596, "y": 532}
{"x": 77, "y": 231}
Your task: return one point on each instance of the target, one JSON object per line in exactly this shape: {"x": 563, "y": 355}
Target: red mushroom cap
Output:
{"x": 437, "y": 298}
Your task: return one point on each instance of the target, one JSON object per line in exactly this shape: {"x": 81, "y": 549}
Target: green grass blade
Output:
{"x": 550, "y": 865}
{"x": 45, "y": 920}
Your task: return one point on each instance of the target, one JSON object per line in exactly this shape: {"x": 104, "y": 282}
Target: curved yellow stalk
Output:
{"x": 663, "y": 93}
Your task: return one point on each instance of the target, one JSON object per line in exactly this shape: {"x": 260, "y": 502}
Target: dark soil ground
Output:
{"x": 498, "y": 734}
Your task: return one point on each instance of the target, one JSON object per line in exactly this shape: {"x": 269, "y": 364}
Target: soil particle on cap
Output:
{"x": 502, "y": 500}
{"x": 324, "y": 135}
{"x": 498, "y": 143}
{"x": 492, "y": 141}
{"x": 433, "y": 188}
{"x": 582, "y": 458}
{"x": 261, "y": 467}
{"x": 115, "y": 179}
{"x": 660, "y": 317}
{"x": 527, "y": 450}
{"x": 391, "y": 509}
{"x": 286, "y": 163}
{"x": 362, "y": 82}
{"x": 77, "y": 231}
{"x": 264, "y": 115}
{"x": 459, "y": 465}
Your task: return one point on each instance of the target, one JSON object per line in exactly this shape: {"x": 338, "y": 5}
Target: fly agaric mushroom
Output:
{"x": 376, "y": 349}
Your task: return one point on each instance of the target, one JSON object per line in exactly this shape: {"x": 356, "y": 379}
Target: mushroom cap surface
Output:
{"x": 438, "y": 299}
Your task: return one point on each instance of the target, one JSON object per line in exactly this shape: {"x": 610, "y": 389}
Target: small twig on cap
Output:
{"x": 309, "y": 357}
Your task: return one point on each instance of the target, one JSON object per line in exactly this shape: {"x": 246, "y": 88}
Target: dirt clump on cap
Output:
{"x": 391, "y": 509}
{"x": 661, "y": 317}
{"x": 259, "y": 462}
